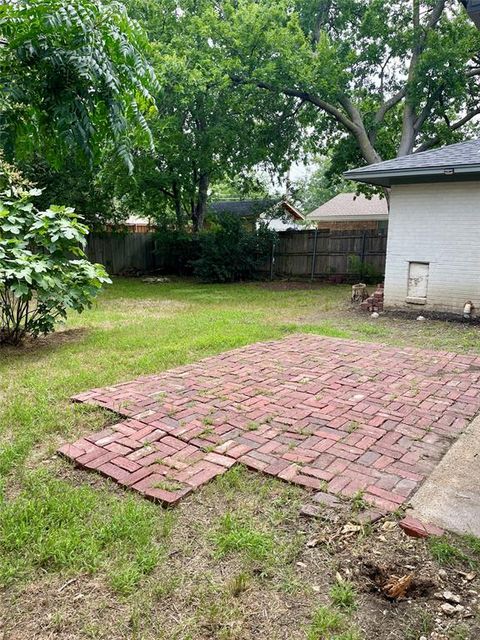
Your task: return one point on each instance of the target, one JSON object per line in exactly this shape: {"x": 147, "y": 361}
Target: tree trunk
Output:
{"x": 201, "y": 204}
{"x": 409, "y": 133}
{"x": 178, "y": 204}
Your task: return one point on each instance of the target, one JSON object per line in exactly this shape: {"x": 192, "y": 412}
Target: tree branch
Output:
{"x": 315, "y": 100}
{"x": 389, "y": 104}
{"x": 351, "y": 120}
{"x": 425, "y": 112}
{"x": 409, "y": 132}
{"x": 453, "y": 127}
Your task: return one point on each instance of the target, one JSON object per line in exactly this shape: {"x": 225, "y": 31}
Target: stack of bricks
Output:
{"x": 375, "y": 301}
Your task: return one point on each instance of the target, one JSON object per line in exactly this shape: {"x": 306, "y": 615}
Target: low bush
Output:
{"x": 364, "y": 271}
{"x": 43, "y": 268}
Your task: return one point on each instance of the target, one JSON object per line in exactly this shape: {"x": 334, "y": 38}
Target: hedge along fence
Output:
{"x": 296, "y": 254}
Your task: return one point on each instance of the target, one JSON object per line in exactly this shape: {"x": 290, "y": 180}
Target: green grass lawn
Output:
{"x": 80, "y": 558}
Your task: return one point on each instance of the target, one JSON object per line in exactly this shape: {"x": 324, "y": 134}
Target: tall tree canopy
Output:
{"x": 208, "y": 128}
{"x": 386, "y": 78}
{"x": 73, "y": 77}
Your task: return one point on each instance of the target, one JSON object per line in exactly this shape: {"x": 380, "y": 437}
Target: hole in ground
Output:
{"x": 380, "y": 578}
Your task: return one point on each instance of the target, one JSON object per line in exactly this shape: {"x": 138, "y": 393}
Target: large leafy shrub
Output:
{"x": 178, "y": 250}
{"x": 229, "y": 252}
{"x": 43, "y": 268}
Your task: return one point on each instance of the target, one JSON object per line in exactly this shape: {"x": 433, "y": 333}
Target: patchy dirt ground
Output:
{"x": 202, "y": 590}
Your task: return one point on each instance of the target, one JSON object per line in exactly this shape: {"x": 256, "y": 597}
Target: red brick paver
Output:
{"x": 330, "y": 415}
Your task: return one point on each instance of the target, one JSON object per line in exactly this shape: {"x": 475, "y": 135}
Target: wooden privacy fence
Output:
{"x": 124, "y": 252}
{"x": 320, "y": 254}
{"x": 301, "y": 254}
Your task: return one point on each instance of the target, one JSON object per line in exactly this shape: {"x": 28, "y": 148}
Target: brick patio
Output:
{"x": 331, "y": 415}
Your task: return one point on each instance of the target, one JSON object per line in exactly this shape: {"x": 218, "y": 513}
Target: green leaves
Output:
{"x": 75, "y": 78}
{"x": 231, "y": 253}
{"x": 43, "y": 269}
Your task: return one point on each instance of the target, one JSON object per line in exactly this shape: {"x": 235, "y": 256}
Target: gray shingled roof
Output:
{"x": 463, "y": 158}
{"x": 473, "y": 8}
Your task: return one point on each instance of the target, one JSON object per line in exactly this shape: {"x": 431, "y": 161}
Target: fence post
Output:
{"x": 314, "y": 254}
{"x": 272, "y": 259}
{"x": 363, "y": 254}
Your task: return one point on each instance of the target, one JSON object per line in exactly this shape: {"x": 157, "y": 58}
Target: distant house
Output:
{"x": 433, "y": 249}
{"x": 133, "y": 224}
{"x": 348, "y": 211}
{"x": 473, "y": 9}
{"x": 278, "y": 215}
{"x": 136, "y": 224}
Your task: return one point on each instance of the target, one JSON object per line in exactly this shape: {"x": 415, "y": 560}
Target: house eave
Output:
{"x": 352, "y": 218}
{"x": 410, "y": 176}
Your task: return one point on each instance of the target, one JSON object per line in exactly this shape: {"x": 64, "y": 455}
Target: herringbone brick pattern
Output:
{"x": 331, "y": 415}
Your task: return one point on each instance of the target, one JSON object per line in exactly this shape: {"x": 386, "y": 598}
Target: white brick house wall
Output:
{"x": 437, "y": 225}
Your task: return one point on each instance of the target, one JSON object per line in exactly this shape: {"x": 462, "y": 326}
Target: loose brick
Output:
{"x": 417, "y": 529}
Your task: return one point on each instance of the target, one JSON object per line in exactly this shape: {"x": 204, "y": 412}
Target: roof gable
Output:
{"x": 348, "y": 206}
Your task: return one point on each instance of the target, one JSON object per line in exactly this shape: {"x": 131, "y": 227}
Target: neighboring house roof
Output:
{"x": 453, "y": 162}
{"x": 133, "y": 221}
{"x": 293, "y": 211}
{"x": 253, "y": 208}
{"x": 348, "y": 207}
{"x": 473, "y": 8}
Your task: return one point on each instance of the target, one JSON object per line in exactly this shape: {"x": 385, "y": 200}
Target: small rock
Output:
{"x": 451, "y": 597}
{"x": 316, "y": 588}
{"x": 370, "y": 516}
{"x": 311, "y": 511}
{"x": 302, "y": 565}
{"x": 375, "y": 315}
{"x": 450, "y": 610}
{"x": 470, "y": 576}
{"x": 442, "y": 574}
{"x": 358, "y": 397}
{"x": 421, "y": 318}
